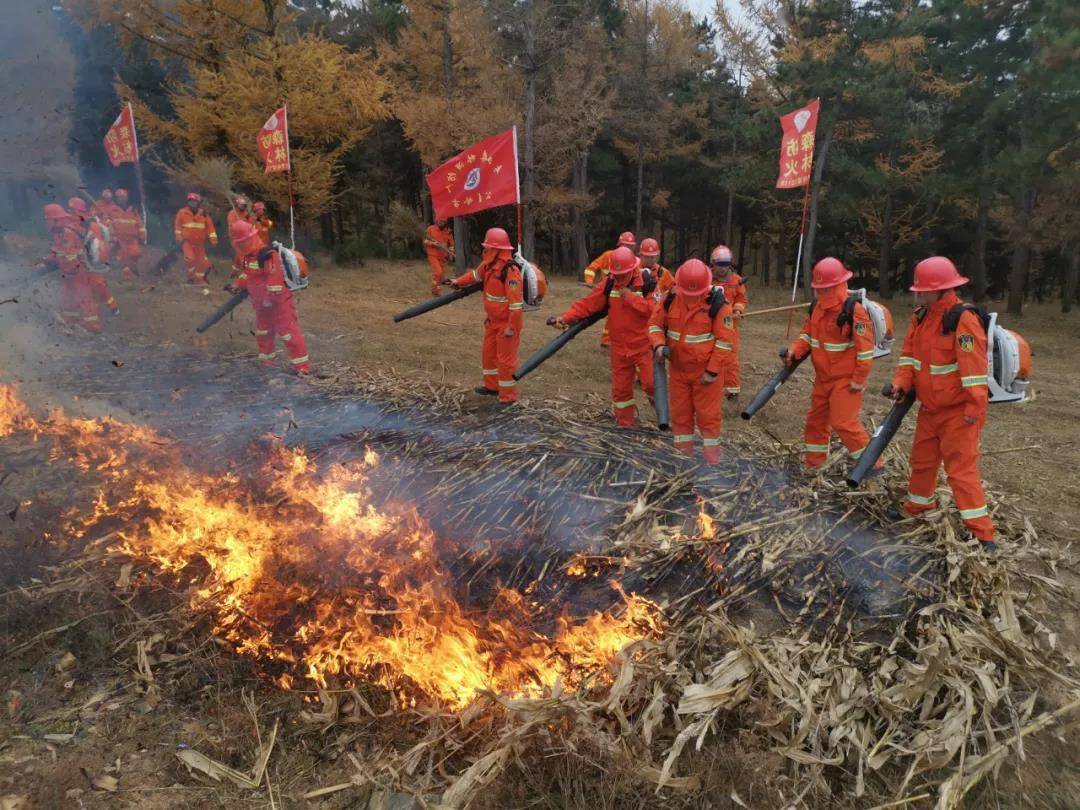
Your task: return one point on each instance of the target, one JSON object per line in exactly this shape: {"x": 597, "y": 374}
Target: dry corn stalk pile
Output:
{"x": 778, "y": 613}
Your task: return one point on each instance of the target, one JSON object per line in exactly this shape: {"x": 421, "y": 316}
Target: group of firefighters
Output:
{"x": 88, "y": 239}
{"x": 688, "y": 321}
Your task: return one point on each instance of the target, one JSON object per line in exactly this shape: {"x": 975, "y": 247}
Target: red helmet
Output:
{"x": 627, "y": 238}
{"x": 193, "y": 196}
{"x": 77, "y": 205}
{"x": 121, "y": 192}
{"x": 828, "y": 273}
{"x": 241, "y": 231}
{"x": 721, "y": 255}
{"x": 693, "y": 278}
{"x": 623, "y": 262}
{"x": 650, "y": 247}
{"x": 239, "y": 199}
{"x": 106, "y": 194}
{"x": 53, "y": 211}
{"x": 497, "y": 238}
{"x": 936, "y": 273}
{"x": 259, "y": 207}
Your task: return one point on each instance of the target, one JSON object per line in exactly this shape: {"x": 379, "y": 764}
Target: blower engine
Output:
{"x": 295, "y": 266}
{"x": 1008, "y": 358}
{"x": 880, "y": 320}
{"x": 534, "y": 282}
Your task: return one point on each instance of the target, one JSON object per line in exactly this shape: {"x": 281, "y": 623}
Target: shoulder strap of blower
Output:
{"x": 846, "y": 318}
{"x": 716, "y": 301}
{"x": 952, "y": 318}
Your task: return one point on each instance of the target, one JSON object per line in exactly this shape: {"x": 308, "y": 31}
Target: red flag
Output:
{"x": 797, "y": 146}
{"x": 483, "y": 176}
{"x": 121, "y": 143}
{"x": 273, "y": 142}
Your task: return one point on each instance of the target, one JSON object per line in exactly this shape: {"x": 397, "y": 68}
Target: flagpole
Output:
{"x": 138, "y": 170}
{"x": 517, "y": 187}
{"x": 288, "y": 158}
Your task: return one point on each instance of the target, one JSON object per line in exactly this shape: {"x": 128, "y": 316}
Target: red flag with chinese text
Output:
{"x": 797, "y": 146}
{"x": 273, "y": 142}
{"x": 483, "y": 176}
{"x": 121, "y": 145}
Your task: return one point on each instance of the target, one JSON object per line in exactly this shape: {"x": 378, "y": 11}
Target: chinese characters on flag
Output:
{"x": 121, "y": 145}
{"x": 797, "y": 146}
{"x": 483, "y": 176}
{"x": 273, "y": 142}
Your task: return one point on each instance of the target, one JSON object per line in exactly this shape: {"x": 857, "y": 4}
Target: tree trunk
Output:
{"x": 1072, "y": 281}
{"x": 815, "y": 191}
{"x": 1018, "y": 271}
{"x": 640, "y": 190}
{"x": 982, "y": 227}
{"x": 580, "y": 249}
{"x": 765, "y": 261}
{"x": 742, "y": 246}
{"x": 528, "y": 237}
{"x": 885, "y": 261}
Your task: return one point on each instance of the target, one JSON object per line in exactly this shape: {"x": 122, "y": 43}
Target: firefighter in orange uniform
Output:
{"x": 262, "y": 275}
{"x": 262, "y": 222}
{"x": 96, "y": 239}
{"x": 840, "y": 342}
{"x": 439, "y": 247}
{"x": 734, "y": 286}
{"x": 650, "y": 261}
{"x": 693, "y": 330}
{"x": 505, "y": 308}
{"x": 76, "y": 304}
{"x": 601, "y": 266}
{"x": 103, "y": 208}
{"x": 192, "y": 228}
{"x": 944, "y": 362}
{"x": 129, "y": 235}
{"x": 629, "y": 305}
{"x": 238, "y": 213}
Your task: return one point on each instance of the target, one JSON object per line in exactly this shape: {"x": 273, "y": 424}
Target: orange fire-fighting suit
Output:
{"x": 841, "y": 355}
{"x": 191, "y": 230}
{"x": 235, "y": 216}
{"x": 505, "y": 309}
{"x": 263, "y": 225}
{"x": 948, "y": 373}
{"x": 129, "y": 235}
{"x": 735, "y": 292}
{"x": 96, "y": 244}
{"x": 104, "y": 210}
{"x": 628, "y": 323}
{"x": 263, "y": 276}
{"x": 599, "y": 268}
{"x": 698, "y": 344}
{"x": 77, "y": 305}
{"x": 439, "y": 247}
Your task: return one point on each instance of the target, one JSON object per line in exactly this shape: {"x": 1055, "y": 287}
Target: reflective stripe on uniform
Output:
{"x": 973, "y": 381}
{"x": 476, "y": 275}
{"x": 977, "y": 512}
{"x": 298, "y": 360}
{"x": 682, "y": 439}
{"x": 655, "y": 330}
{"x": 867, "y": 355}
{"x": 671, "y": 333}
{"x": 496, "y": 299}
{"x": 838, "y": 347}
{"x": 286, "y": 338}
{"x": 723, "y": 344}
{"x": 734, "y": 390}
{"x": 804, "y": 336}
{"x": 507, "y": 383}
{"x": 629, "y": 403}
{"x": 267, "y": 355}
{"x": 856, "y": 453}
{"x": 261, "y": 332}
{"x": 814, "y": 343}
{"x": 489, "y": 372}
{"x": 710, "y": 442}
{"x": 517, "y": 306}
{"x": 816, "y": 448}
{"x": 911, "y": 361}
{"x": 705, "y": 338}
{"x": 201, "y": 226}
{"x": 946, "y": 369}
{"x": 921, "y": 500}
{"x": 274, "y": 288}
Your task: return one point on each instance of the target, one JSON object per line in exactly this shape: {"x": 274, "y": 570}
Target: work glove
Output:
{"x": 508, "y": 333}
{"x": 855, "y": 387}
{"x": 892, "y": 392}
{"x": 786, "y": 357}
{"x": 662, "y": 353}
{"x": 558, "y": 323}
{"x": 708, "y": 378}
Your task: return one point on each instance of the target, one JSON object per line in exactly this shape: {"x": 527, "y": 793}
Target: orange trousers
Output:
{"x": 437, "y": 260}
{"x": 196, "y": 262}
{"x": 833, "y": 406}
{"x": 77, "y": 305}
{"x": 277, "y": 317}
{"x": 692, "y": 403}
{"x": 128, "y": 254}
{"x": 625, "y": 368}
{"x": 944, "y": 436}
{"x": 500, "y": 359}
{"x": 732, "y": 383}
{"x": 99, "y": 290}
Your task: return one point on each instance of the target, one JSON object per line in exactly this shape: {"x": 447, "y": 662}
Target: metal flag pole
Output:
{"x": 517, "y": 188}
{"x": 288, "y": 159}
{"x": 138, "y": 169}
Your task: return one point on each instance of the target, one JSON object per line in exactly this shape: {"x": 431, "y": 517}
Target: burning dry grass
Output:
{"x": 904, "y": 666}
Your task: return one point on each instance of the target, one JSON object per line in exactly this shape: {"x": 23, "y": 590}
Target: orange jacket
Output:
{"x": 600, "y": 265}
{"x": 194, "y": 228}
{"x": 67, "y": 249}
{"x": 263, "y": 226}
{"x": 838, "y": 353}
{"x": 105, "y": 211}
{"x": 127, "y": 225}
{"x": 697, "y": 342}
{"x": 628, "y": 312}
{"x": 504, "y": 302}
{"x": 735, "y": 291}
{"x": 262, "y": 275}
{"x": 233, "y": 216}
{"x": 946, "y": 370}
{"x": 438, "y": 240}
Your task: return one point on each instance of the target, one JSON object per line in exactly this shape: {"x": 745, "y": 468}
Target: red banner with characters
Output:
{"x": 121, "y": 144}
{"x": 797, "y": 146}
{"x": 273, "y": 142}
{"x": 483, "y": 176}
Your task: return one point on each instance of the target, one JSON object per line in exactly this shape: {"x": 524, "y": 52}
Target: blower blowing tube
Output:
{"x": 881, "y": 438}
{"x": 543, "y": 353}
{"x": 769, "y": 389}
{"x": 660, "y": 394}
{"x": 438, "y": 301}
